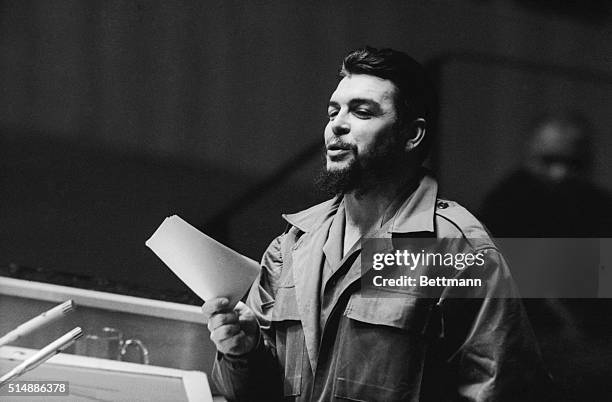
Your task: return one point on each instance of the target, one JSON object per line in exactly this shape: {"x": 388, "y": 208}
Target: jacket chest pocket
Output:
{"x": 289, "y": 339}
{"x": 383, "y": 348}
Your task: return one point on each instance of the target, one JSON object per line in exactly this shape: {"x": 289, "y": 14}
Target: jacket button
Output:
{"x": 442, "y": 205}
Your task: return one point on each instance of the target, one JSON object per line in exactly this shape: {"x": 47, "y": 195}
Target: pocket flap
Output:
{"x": 406, "y": 312}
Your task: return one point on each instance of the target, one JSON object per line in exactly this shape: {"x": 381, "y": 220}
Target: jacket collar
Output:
{"x": 309, "y": 219}
{"x": 415, "y": 214}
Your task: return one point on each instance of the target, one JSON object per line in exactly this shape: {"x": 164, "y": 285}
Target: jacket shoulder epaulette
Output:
{"x": 455, "y": 221}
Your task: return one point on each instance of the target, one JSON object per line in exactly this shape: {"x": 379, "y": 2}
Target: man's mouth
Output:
{"x": 338, "y": 147}
{"x": 337, "y": 151}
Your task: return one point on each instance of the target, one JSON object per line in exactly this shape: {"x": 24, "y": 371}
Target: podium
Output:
{"x": 92, "y": 379}
{"x": 175, "y": 334}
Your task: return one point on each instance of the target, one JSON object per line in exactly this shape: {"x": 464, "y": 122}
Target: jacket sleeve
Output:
{"x": 255, "y": 376}
{"x": 492, "y": 347}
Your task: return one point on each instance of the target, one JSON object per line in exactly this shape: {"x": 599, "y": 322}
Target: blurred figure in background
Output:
{"x": 550, "y": 196}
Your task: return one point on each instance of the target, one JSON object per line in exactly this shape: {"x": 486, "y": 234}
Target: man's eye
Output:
{"x": 332, "y": 113}
{"x": 362, "y": 113}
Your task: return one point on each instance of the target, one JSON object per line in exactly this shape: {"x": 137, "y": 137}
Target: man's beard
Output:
{"x": 383, "y": 163}
{"x": 339, "y": 181}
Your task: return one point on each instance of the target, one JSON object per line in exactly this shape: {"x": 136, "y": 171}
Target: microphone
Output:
{"x": 39, "y": 321}
{"x": 43, "y": 355}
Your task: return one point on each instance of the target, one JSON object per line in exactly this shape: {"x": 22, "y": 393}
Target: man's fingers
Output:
{"x": 232, "y": 330}
{"x": 214, "y": 306}
{"x": 224, "y": 332}
{"x": 220, "y": 319}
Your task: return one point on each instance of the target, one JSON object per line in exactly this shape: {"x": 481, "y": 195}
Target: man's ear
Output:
{"x": 415, "y": 134}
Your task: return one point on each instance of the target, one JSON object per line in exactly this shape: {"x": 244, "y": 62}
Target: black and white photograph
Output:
{"x": 310, "y": 201}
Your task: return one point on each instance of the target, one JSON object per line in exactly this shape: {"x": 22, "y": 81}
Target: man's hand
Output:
{"x": 234, "y": 332}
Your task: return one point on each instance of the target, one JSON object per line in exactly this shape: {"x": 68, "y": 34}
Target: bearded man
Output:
{"x": 308, "y": 333}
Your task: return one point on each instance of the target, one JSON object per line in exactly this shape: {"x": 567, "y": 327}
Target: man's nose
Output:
{"x": 339, "y": 125}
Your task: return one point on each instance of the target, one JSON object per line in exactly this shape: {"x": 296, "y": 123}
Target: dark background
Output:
{"x": 116, "y": 114}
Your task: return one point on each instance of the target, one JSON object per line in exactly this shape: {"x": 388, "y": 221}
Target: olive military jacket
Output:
{"x": 405, "y": 348}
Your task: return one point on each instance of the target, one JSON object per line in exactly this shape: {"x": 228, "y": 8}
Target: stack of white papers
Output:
{"x": 208, "y": 267}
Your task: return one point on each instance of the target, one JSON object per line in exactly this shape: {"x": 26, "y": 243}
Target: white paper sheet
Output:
{"x": 208, "y": 267}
